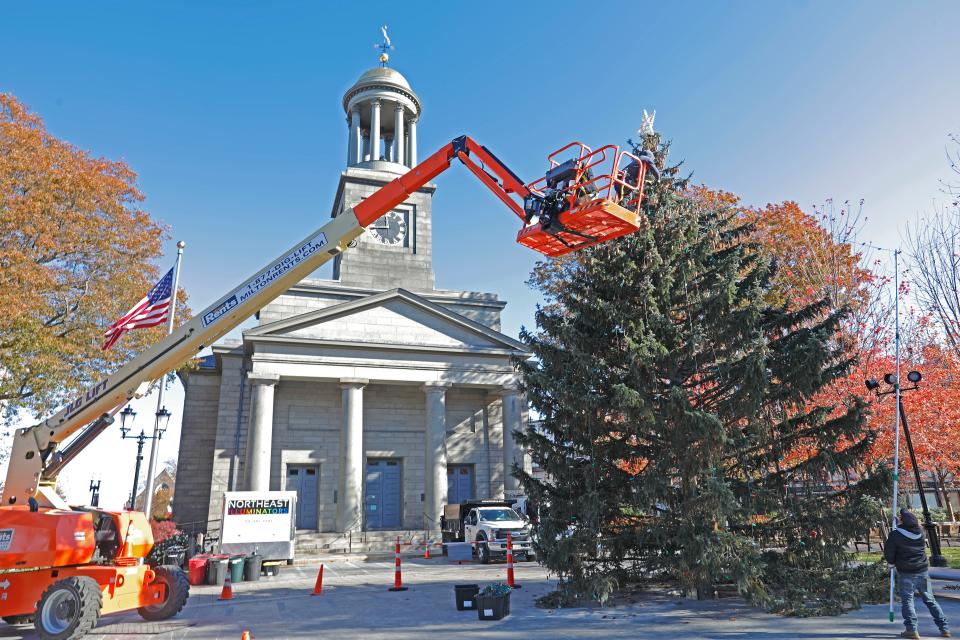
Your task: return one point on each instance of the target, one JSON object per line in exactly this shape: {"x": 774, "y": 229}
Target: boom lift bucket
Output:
{"x": 586, "y": 197}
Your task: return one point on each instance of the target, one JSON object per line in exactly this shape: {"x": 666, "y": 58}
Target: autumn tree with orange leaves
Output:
{"x": 933, "y": 408}
{"x": 76, "y": 250}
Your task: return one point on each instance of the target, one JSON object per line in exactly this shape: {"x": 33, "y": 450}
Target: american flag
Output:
{"x": 149, "y": 312}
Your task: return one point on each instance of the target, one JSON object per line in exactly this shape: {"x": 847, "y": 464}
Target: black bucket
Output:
{"x": 493, "y": 607}
{"x": 466, "y": 596}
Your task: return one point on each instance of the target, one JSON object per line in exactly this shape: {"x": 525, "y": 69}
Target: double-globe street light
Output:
{"x": 126, "y": 423}
{"x": 936, "y": 557}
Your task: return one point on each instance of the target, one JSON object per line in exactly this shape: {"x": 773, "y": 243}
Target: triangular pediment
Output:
{"x": 396, "y": 318}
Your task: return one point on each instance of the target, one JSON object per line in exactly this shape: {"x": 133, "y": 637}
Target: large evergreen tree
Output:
{"x": 681, "y": 434}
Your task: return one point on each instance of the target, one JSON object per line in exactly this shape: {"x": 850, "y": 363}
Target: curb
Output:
{"x": 944, "y": 573}
{"x": 359, "y": 557}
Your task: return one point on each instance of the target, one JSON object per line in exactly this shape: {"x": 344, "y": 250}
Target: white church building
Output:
{"x": 375, "y": 396}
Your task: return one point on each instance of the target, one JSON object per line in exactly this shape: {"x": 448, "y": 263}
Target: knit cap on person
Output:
{"x": 909, "y": 521}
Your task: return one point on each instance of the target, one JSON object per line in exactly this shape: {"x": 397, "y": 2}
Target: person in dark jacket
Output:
{"x": 905, "y": 550}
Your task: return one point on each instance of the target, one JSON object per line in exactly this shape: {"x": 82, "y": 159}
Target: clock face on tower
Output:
{"x": 390, "y": 229}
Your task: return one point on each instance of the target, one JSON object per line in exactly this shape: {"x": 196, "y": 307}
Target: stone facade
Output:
{"x": 365, "y": 393}
{"x": 411, "y": 259}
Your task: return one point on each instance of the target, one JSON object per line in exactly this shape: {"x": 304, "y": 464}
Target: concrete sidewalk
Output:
{"x": 356, "y": 605}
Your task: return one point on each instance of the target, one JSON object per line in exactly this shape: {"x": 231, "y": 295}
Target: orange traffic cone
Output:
{"x": 397, "y": 581}
{"x": 227, "y": 593}
{"x": 426, "y": 551}
{"x": 510, "y": 581}
{"x": 318, "y": 586}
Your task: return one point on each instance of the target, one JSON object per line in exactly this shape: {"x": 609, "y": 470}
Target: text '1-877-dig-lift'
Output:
{"x": 64, "y": 567}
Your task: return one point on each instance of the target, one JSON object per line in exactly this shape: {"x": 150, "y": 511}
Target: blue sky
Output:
{"x": 230, "y": 113}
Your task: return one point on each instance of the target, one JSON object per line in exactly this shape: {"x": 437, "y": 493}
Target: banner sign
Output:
{"x": 258, "y": 516}
{"x": 267, "y": 276}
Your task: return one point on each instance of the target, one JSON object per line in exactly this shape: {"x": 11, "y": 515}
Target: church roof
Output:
{"x": 380, "y": 75}
{"x": 379, "y": 79}
{"x": 298, "y": 328}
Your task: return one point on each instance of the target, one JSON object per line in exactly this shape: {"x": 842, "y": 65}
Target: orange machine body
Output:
{"x": 40, "y": 547}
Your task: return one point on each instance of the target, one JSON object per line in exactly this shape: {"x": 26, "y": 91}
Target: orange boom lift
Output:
{"x": 64, "y": 567}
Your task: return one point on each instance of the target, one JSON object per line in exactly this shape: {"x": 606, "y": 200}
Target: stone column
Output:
{"x": 349, "y": 141}
{"x": 398, "y": 134}
{"x": 365, "y": 153}
{"x": 356, "y": 141}
{"x": 388, "y": 148}
{"x": 350, "y": 484}
{"x": 412, "y": 151}
{"x": 512, "y": 453}
{"x": 435, "y": 454}
{"x": 375, "y": 130}
{"x": 260, "y": 433}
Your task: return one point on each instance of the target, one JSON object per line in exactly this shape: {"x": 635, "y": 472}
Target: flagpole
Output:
{"x": 154, "y": 443}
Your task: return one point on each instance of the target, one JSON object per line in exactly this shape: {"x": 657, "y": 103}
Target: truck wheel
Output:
{"x": 483, "y": 551}
{"x": 68, "y": 609}
{"x": 178, "y": 588}
{"x": 25, "y": 618}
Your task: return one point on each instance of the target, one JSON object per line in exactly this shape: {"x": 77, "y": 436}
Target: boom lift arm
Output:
{"x": 591, "y": 197}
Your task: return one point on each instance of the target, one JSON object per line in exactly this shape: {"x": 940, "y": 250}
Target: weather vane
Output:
{"x": 646, "y": 129}
{"x": 384, "y": 47}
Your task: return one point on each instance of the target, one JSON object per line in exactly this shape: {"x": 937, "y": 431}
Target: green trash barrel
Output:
{"x": 236, "y": 568}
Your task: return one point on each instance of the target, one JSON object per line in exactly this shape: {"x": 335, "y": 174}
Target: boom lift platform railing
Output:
{"x": 586, "y": 197}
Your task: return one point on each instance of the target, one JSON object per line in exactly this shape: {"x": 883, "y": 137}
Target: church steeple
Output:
{"x": 382, "y": 113}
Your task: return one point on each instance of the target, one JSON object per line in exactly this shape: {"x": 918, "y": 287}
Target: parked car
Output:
{"x": 487, "y": 523}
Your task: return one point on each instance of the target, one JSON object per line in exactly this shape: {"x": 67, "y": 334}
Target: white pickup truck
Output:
{"x": 487, "y": 523}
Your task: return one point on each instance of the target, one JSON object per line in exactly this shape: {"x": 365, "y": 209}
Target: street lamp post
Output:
{"x": 141, "y": 440}
{"x": 127, "y": 415}
{"x": 936, "y": 555}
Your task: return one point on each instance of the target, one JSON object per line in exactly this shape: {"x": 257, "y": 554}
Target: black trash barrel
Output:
{"x": 251, "y": 570}
{"x": 217, "y": 569}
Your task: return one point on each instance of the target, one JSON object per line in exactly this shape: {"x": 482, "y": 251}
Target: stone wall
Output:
{"x": 307, "y": 419}
{"x": 307, "y": 422}
{"x": 473, "y": 439}
{"x": 228, "y": 454}
{"x": 411, "y": 265}
{"x": 197, "y": 438}
{"x": 394, "y": 418}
